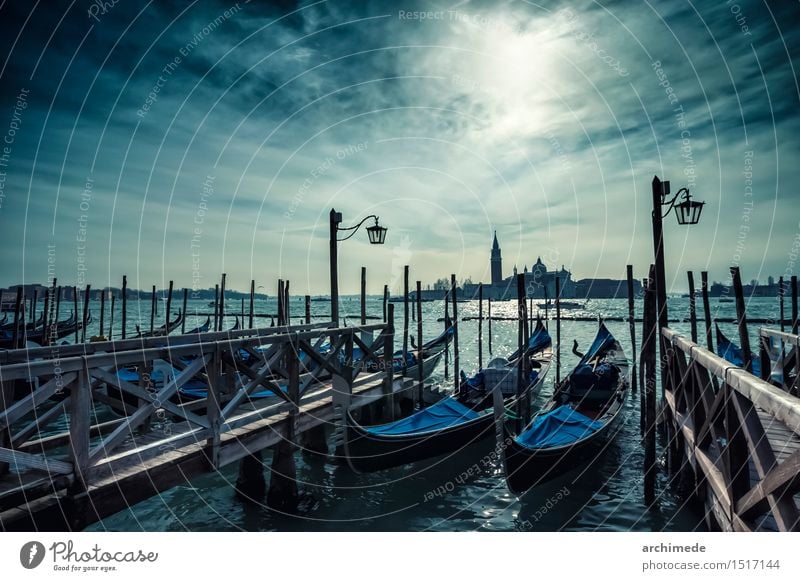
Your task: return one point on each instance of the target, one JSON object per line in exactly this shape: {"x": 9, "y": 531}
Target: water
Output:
{"x": 439, "y": 494}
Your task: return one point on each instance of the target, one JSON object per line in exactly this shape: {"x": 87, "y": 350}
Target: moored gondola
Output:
{"x": 452, "y": 423}
{"x": 572, "y": 429}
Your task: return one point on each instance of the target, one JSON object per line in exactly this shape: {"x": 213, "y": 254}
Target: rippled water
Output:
{"x": 605, "y": 495}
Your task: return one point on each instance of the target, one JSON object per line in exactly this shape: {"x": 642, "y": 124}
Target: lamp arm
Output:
{"x": 671, "y": 203}
{"x": 354, "y": 228}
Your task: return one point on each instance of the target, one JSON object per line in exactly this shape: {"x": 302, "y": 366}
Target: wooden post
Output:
{"x": 282, "y": 494}
{"x": 660, "y": 277}
{"x": 78, "y": 317}
{"x": 649, "y": 330}
{"x": 363, "y": 295}
{"x": 184, "y": 310}
{"x": 781, "y": 292}
{"x": 18, "y": 306}
{"x": 385, "y": 301}
{"x": 520, "y": 347}
{"x": 489, "y": 314}
{"x": 153, "y": 309}
{"x": 79, "y": 423}
{"x": 252, "y": 302}
{"x": 169, "y": 306}
{"x": 58, "y": 308}
{"x": 405, "y": 316}
{"x": 456, "y": 356}
{"x": 335, "y": 219}
{"x": 632, "y": 325}
{"x": 222, "y": 301}
{"x": 52, "y": 331}
{"x": 546, "y": 309}
{"x": 388, "y": 352}
{"x": 281, "y": 304}
{"x": 102, "y": 312}
{"x": 45, "y": 316}
{"x": 308, "y": 309}
{"x": 85, "y": 312}
{"x": 692, "y": 307}
{"x": 287, "y": 307}
{"x": 420, "y": 371}
{"x": 558, "y": 330}
{"x": 480, "y": 326}
{"x": 447, "y": 323}
{"x": 241, "y": 311}
{"x": 706, "y": 309}
{"x": 216, "y": 307}
{"x": 794, "y": 305}
{"x": 741, "y": 319}
{"x": 34, "y": 305}
{"x": 124, "y": 314}
{"x": 111, "y": 317}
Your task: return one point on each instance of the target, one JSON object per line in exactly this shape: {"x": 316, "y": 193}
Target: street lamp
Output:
{"x": 376, "y": 234}
{"x": 687, "y": 212}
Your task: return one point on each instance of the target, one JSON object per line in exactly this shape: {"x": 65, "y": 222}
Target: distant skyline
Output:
{"x": 180, "y": 140}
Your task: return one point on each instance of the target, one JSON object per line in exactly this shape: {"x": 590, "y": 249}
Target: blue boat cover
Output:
{"x": 443, "y": 414}
{"x": 538, "y": 340}
{"x": 603, "y": 340}
{"x": 559, "y": 427}
{"x": 732, "y": 353}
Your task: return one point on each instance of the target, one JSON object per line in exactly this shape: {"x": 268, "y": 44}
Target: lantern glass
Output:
{"x": 377, "y": 234}
{"x": 688, "y": 212}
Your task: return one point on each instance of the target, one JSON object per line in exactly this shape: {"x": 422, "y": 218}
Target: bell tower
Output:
{"x": 496, "y": 262}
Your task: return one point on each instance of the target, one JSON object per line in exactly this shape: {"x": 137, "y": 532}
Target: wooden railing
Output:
{"x": 286, "y": 361}
{"x": 723, "y": 432}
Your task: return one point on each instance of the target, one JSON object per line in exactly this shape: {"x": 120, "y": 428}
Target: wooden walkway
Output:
{"x": 739, "y": 437}
{"x": 103, "y": 463}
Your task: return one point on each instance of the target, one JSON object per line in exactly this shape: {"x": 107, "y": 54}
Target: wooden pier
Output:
{"x": 66, "y": 460}
{"x": 737, "y": 436}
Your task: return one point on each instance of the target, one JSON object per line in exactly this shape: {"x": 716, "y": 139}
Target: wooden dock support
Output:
{"x": 308, "y": 309}
{"x": 252, "y": 303}
{"x": 558, "y": 330}
{"x": 706, "y": 310}
{"x": 456, "y": 357}
{"x": 85, "y": 312}
{"x": 405, "y": 314}
{"x": 363, "y": 295}
{"x": 77, "y": 313}
{"x": 692, "y": 306}
{"x": 632, "y": 325}
{"x": 153, "y": 299}
{"x": 420, "y": 370}
{"x": 168, "y": 309}
{"x": 124, "y": 314}
{"x": 649, "y": 330}
{"x": 251, "y": 485}
{"x": 184, "y": 310}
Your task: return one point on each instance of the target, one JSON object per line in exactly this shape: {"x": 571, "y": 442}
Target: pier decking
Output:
{"x": 53, "y": 476}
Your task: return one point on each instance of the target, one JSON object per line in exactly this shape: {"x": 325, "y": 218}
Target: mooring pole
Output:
{"x": 405, "y": 316}
{"x": 184, "y": 310}
{"x": 222, "y": 301}
{"x": 692, "y": 307}
{"x": 794, "y": 305}
{"x": 546, "y": 309}
{"x": 18, "y": 306}
{"x": 420, "y": 354}
{"x": 308, "y": 309}
{"x": 447, "y": 324}
{"x": 102, "y": 312}
{"x": 216, "y": 307}
{"x": 281, "y": 304}
{"x": 111, "y": 317}
{"x": 558, "y": 331}
{"x": 252, "y": 303}
{"x": 77, "y": 313}
{"x": 632, "y": 325}
{"x": 649, "y": 329}
{"x": 706, "y": 309}
{"x": 85, "y": 312}
{"x": 153, "y": 309}
{"x": 456, "y": 356}
{"x": 781, "y": 292}
{"x": 385, "y": 301}
{"x": 287, "y": 307}
{"x": 521, "y": 356}
{"x": 489, "y": 314}
{"x": 741, "y": 320}
{"x": 169, "y": 306}
{"x": 363, "y": 295}
{"x": 124, "y": 314}
{"x": 480, "y": 326}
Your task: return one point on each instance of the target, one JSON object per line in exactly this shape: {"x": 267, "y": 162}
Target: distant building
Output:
{"x": 605, "y": 288}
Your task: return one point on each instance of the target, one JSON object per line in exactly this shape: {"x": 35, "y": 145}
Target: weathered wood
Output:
{"x": 287, "y": 304}
{"x": 102, "y": 313}
{"x": 649, "y": 332}
{"x": 480, "y": 326}
{"x": 217, "y": 323}
{"x": 558, "y": 330}
{"x": 110, "y": 318}
{"x": 489, "y": 314}
{"x": 79, "y": 423}
{"x": 781, "y": 308}
{"x": 77, "y": 313}
{"x": 124, "y": 314}
{"x": 281, "y": 304}
{"x": 153, "y": 307}
{"x": 363, "y": 295}
{"x": 420, "y": 370}
{"x": 25, "y": 460}
{"x": 741, "y": 316}
{"x": 388, "y": 366}
{"x": 15, "y": 334}
{"x": 631, "y": 324}
{"x": 385, "y": 301}
{"x": 222, "y": 300}
{"x": 692, "y": 306}
{"x": 308, "y": 309}
{"x": 456, "y": 355}
{"x": 23, "y": 406}
{"x": 252, "y": 305}
{"x": 405, "y": 313}
{"x": 795, "y": 321}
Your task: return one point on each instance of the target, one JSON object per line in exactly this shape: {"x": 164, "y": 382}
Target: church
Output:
{"x": 538, "y": 280}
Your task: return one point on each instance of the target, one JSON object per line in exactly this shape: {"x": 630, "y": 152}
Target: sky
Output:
{"x": 179, "y": 140}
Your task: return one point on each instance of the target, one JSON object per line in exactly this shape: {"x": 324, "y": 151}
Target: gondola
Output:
{"x": 163, "y": 330}
{"x": 452, "y": 423}
{"x": 732, "y": 353}
{"x": 581, "y": 417}
{"x": 202, "y": 328}
{"x": 63, "y": 329}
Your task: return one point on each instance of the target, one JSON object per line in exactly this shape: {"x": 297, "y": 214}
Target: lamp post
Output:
{"x": 376, "y": 234}
{"x": 687, "y": 212}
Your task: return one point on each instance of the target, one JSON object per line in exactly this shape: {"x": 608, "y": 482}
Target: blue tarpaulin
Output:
{"x": 603, "y": 341}
{"x": 733, "y": 353}
{"x": 443, "y": 414}
{"x": 559, "y": 427}
{"x": 538, "y": 340}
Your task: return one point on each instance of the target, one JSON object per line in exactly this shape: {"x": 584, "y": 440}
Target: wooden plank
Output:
{"x": 782, "y": 481}
{"x": 80, "y": 408}
{"x": 25, "y": 460}
{"x": 34, "y": 399}
{"x": 18, "y": 440}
